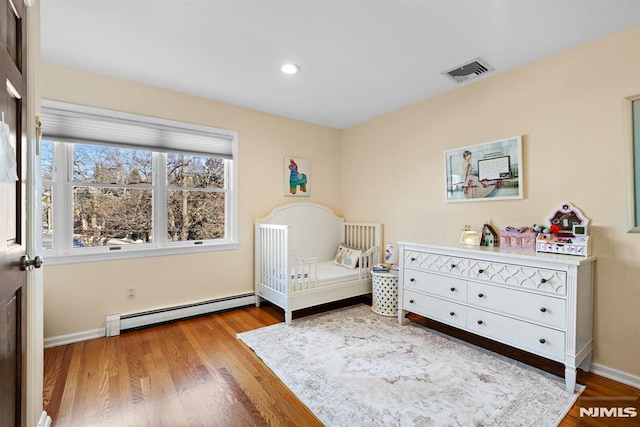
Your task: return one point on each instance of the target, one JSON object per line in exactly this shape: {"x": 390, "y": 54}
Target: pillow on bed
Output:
{"x": 347, "y": 257}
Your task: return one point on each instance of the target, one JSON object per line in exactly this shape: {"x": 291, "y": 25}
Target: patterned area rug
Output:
{"x": 352, "y": 367}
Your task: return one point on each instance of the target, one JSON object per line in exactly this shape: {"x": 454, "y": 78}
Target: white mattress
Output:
{"x": 329, "y": 272}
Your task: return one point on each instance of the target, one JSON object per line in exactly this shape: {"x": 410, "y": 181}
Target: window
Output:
{"x": 635, "y": 166}
{"x": 118, "y": 186}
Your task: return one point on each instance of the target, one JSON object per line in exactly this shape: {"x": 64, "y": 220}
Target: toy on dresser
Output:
{"x": 489, "y": 236}
{"x": 567, "y": 232}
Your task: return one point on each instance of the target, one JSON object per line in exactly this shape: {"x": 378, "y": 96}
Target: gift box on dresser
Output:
{"x": 518, "y": 238}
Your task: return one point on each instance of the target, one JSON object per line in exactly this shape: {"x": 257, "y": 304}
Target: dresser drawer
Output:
{"x": 435, "y": 308}
{"x": 549, "y": 311}
{"x": 536, "y": 339}
{"x": 519, "y": 276}
{"x": 436, "y": 284}
{"x": 435, "y": 262}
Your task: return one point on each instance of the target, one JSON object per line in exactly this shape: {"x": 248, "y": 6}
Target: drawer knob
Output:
{"x": 480, "y": 295}
{"x": 411, "y": 301}
{"x": 542, "y": 341}
{"x": 481, "y": 271}
{"x": 412, "y": 259}
{"x": 543, "y": 309}
{"x": 480, "y": 322}
{"x": 451, "y": 313}
{"x": 454, "y": 265}
{"x": 412, "y": 280}
{"x": 453, "y": 289}
{"x": 543, "y": 280}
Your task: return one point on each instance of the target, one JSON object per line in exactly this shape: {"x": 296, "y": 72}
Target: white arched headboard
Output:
{"x": 315, "y": 230}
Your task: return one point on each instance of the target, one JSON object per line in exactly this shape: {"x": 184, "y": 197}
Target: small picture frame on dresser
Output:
{"x": 470, "y": 238}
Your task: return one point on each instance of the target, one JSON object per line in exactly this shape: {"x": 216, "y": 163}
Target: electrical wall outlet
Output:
{"x": 131, "y": 292}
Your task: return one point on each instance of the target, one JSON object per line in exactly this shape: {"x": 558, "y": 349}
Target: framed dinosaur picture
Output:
{"x": 297, "y": 174}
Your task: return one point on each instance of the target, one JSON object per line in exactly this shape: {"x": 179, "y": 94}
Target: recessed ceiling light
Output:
{"x": 290, "y": 68}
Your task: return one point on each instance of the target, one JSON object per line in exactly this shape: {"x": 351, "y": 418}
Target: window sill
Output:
{"x": 76, "y": 257}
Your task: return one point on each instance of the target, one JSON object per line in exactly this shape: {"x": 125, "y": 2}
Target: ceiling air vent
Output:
{"x": 468, "y": 71}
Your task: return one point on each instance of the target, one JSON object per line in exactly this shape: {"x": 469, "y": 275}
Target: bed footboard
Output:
{"x": 275, "y": 269}
{"x": 271, "y": 256}
{"x": 367, "y": 260}
{"x": 304, "y": 273}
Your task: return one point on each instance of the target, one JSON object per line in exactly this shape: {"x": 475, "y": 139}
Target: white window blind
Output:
{"x": 71, "y": 123}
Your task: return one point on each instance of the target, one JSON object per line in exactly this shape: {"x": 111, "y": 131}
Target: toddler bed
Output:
{"x": 305, "y": 255}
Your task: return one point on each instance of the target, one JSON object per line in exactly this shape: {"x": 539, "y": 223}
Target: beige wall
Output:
{"x": 569, "y": 110}
{"x": 79, "y": 296}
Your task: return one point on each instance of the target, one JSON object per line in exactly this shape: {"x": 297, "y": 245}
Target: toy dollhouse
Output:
{"x": 489, "y": 236}
{"x": 568, "y": 233}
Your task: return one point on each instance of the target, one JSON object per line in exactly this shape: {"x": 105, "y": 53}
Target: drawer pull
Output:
{"x": 543, "y": 280}
{"x": 411, "y": 301}
{"x": 453, "y": 289}
{"x": 412, "y": 280}
{"x": 480, "y": 295}
{"x": 480, "y": 322}
{"x": 451, "y": 313}
{"x": 542, "y": 341}
{"x": 412, "y": 259}
{"x": 543, "y": 309}
{"x": 454, "y": 265}
{"x": 480, "y": 271}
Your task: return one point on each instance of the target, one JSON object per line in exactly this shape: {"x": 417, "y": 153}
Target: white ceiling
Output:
{"x": 359, "y": 58}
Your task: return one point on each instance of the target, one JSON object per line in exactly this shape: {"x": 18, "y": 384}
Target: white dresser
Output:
{"x": 540, "y": 303}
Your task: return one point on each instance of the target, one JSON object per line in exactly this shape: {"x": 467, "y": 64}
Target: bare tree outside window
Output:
{"x": 112, "y": 196}
{"x": 195, "y": 202}
{"x": 112, "y": 193}
{"x": 47, "y": 169}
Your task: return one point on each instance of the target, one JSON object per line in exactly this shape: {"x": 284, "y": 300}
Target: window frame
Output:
{"x": 62, "y": 184}
{"x": 632, "y": 114}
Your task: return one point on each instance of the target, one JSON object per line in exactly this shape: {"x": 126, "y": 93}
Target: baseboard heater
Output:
{"x": 117, "y": 322}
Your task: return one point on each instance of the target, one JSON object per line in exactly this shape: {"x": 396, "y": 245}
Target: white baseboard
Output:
{"x": 129, "y": 321}
{"x": 616, "y": 375}
{"x": 75, "y": 337}
{"x": 45, "y": 420}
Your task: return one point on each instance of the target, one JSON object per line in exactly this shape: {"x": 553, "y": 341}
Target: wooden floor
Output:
{"x": 196, "y": 373}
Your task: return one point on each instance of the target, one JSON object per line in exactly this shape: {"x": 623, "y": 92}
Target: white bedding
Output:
{"x": 329, "y": 272}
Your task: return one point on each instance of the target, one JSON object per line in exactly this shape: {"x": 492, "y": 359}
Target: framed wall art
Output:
{"x": 487, "y": 171}
{"x": 297, "y": 173}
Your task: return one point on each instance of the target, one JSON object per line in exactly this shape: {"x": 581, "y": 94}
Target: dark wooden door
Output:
{"x": 13, "y": 289}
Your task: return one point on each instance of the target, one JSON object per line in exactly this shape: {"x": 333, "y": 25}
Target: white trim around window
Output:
{"x": 67, "y": 125}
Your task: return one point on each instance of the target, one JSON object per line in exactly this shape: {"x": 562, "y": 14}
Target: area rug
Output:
{"x": 352, "y": 367}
